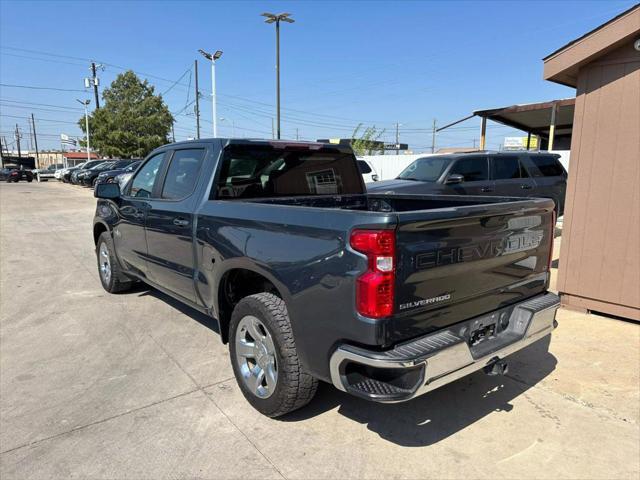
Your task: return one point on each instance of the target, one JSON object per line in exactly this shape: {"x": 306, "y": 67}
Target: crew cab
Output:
{"x": 310, "y": 278}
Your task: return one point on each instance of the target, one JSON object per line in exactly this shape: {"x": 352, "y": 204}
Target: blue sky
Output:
{"x": 343, "y": 63}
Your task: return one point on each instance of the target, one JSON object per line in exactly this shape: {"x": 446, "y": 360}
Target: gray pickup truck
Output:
{"x": 311, "y": 278}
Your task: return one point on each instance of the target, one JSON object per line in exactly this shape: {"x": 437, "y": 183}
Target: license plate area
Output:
{"x": 482, "y": 334}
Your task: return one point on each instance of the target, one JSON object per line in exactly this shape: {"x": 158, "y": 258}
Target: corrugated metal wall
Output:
{"x": 600, "y": 251}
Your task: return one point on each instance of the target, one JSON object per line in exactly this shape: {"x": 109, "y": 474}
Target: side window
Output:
{"x": 142, "y": 184}
{"x": 505, "y": 168}
{"x": 474, "y": 169}
{"x": 183, "y": 173}
{"x": 546, "y": 166}
{"x": 364, "y": 167}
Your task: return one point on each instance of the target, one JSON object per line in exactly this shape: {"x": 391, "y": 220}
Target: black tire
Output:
{"x": 112, "y": 283}
{"x": 29, "y": 180}
{"x": 294, "y": 387}
{"x": 93, "y": 183}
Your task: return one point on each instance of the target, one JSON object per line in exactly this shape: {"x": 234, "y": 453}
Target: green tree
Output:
{"x": 366, "y": 143}
{"x": 133, "y": 120}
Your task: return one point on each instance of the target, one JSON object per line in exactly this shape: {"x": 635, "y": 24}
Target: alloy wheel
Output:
{"x": 256, "y": 357}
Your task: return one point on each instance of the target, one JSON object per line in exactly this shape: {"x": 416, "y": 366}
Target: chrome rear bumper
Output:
{"x": 419, "y": 366}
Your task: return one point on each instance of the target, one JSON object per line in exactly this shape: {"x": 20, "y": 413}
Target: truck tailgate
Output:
{"x": 454, "y": 264}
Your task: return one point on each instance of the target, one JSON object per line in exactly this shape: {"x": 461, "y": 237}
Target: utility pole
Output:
{"x": 197, "y": 102}
{"x": 173, "y": 131}
{"x": 397, "y": 138}
{"x": 297, "y": 136}
{"x": 18, "y": 140}
{"x": 94, "y": 81}
{"x": 272, "y": 18}
{"x": 433, "y": 137}
{"x": 85, "y": 104}
{"x": 273, "y": 134}
{"x": 35, "y": 140}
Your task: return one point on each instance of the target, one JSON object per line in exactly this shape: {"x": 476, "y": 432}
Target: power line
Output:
{"x": 33, "y": 87}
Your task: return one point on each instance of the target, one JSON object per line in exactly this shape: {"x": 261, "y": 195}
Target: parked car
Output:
{"x": 15, "y": 175}
{"x": 44, "y": 174}
{"x": 368, "y": 172}
{"x": 517, "y": 174}
{"x": 110, "y": 175}
{"x": 309, "y": 277}
{"x": 90, "y": 178}
{"x": 82, "y": 168}
{"x": 66, "y": 175}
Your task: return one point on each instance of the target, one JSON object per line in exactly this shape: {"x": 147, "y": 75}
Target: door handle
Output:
{"x": 181, "y": 222}
{"x": 525, "y": 186}
{"x": 486, "y": 189}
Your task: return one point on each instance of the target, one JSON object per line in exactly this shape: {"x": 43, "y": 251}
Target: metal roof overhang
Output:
{"x": 535, "y": 118}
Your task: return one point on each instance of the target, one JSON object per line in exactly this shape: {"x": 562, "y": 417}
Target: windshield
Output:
{"x": 251, "y": 171}
{"x": 426, "y": 169}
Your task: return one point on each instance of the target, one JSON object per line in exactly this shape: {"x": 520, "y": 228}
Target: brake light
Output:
{"x": 375, "y": 287}
{"x": 553, "y": 235}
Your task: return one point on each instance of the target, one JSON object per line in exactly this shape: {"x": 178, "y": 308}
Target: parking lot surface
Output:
{"x": 94, "y": 385}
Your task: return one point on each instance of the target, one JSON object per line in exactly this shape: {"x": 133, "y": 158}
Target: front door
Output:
{"x": 129, "y": 234}
{"x": 170, "y": 224}
{"x": 475, "y": 172}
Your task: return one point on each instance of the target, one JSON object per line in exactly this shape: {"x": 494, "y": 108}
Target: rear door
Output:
{"x": 170, "y": 222}
{"x": 129, "y": 234}
{"x": 510, "y": 177}
{"x": 475, "y": 170}
{"x": 550, "y": 177}
{"x": 466, "y": 261}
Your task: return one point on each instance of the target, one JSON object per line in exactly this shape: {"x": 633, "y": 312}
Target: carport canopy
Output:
{"x": 549, "y": 120}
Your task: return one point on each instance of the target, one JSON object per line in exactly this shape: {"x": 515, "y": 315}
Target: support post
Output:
{"x": 278, "y": 78}
{"x": 528, "y": 140}
{"x": 35, "y": 141}
{"x": 483, "y": 134}
{"x": 552, "y": 127}
{"x": 433, "y": 137}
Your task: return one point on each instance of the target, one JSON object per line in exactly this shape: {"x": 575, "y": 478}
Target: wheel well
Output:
{"x": 234, "y": 286}
{"x": 98, "y": 229}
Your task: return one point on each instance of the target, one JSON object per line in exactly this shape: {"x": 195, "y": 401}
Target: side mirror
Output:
{"x": 454, "y": 178}
{"x": 109, "y": 191}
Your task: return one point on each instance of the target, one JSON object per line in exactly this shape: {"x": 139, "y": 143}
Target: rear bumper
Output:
{"x": 413, "y": 368}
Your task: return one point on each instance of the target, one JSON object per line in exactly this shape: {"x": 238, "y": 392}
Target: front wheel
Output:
{"x": 108, "y": 267}
{"x": 264, "y": 356}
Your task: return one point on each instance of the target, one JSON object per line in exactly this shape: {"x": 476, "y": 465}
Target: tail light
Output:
{"x": 553, "y": 235}
{"x": 375, "y": 287}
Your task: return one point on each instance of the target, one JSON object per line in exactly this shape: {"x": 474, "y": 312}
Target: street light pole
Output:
{"x": 85, "y": 104}
{"x": 214, "y": 108}
{"x": 273, "y": 18}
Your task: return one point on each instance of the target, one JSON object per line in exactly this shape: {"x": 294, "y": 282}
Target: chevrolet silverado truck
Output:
{"x": 310, "y": 278}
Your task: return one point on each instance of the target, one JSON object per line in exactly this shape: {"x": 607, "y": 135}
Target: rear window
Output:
{"x": 547, "y": 166}
{"x": 255, "y": 171}
{"x": 364, "y": 166}
{"x": 506, "y": 167}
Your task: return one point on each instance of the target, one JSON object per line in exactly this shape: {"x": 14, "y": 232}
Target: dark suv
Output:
{"x": 508, "y": 174}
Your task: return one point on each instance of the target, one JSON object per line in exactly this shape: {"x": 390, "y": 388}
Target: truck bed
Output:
{"x": 386, "y": 203}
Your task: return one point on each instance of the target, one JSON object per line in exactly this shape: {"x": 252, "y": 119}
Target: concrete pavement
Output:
{"x": 94, "y": 385}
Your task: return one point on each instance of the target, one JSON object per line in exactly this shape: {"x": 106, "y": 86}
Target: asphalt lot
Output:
{"x": 94, "y": 385}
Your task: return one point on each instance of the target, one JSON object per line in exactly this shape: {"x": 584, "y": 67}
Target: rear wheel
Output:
{"x": 108, "y": 267}
{"x": 264, "y": 356}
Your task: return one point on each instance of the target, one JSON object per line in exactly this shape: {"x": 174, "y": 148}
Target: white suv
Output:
{"x": 368, "y": 172}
